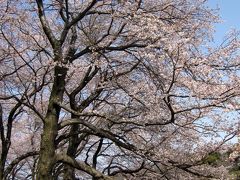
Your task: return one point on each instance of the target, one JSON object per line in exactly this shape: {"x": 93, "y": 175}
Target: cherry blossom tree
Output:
{"x": 105, "y": 89}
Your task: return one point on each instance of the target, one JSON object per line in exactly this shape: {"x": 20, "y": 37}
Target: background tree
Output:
{"x": 117, "y": 89}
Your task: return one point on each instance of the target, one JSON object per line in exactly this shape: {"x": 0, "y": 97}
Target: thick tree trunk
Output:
{"x": 69, "y": 173}
{"x": 1, "y": 169}
{"x": 47, "y": 147}
{"x": 3, "y": 159}
{"x": 3, "y": 148}
{"x": 5, "y": 141}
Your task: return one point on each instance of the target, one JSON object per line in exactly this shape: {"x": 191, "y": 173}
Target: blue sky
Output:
{"x": 230, "y": 14}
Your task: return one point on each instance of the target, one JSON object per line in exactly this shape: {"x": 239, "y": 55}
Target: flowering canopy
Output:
{"x": 114, "y": 89}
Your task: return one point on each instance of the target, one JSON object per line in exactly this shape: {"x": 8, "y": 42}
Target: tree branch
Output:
{"x": 45, "y": 25}
{"x": 17, "y": 160}
{"x": 61, "y": 157}
{"x": 74, "y": 21}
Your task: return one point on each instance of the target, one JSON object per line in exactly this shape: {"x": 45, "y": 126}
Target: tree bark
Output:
{"x": 61, "y": 157}
{"x": 69, "y": 173}
{"x": 50, "y": 130}
{"x": 3, "y": 161}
